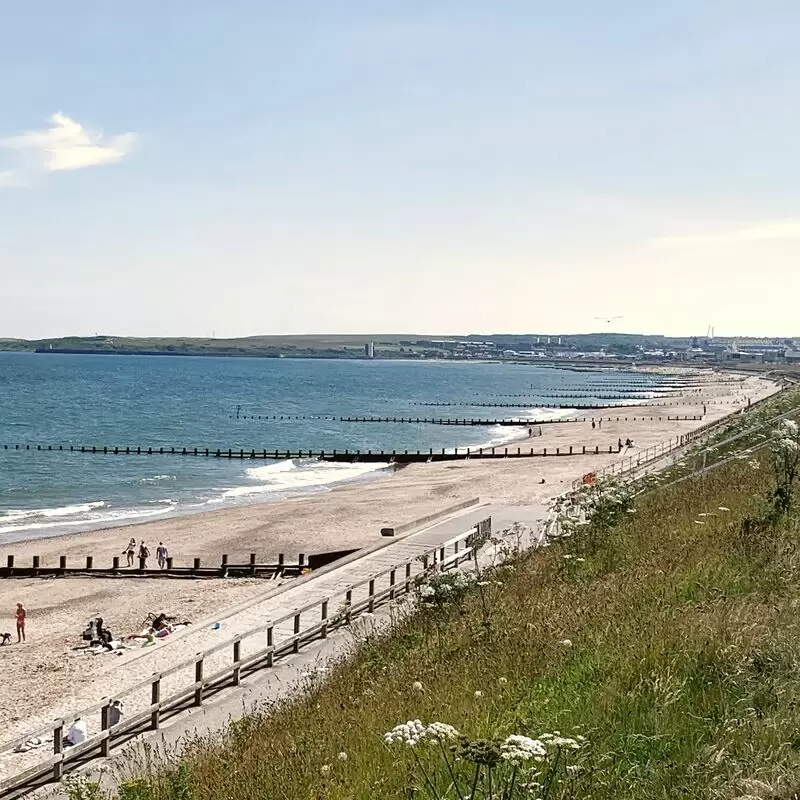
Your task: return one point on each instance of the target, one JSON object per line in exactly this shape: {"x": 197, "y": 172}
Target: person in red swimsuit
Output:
{"x": 21, "y": 614}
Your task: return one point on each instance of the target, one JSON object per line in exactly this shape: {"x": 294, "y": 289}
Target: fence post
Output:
{"x": 198, "y": 679}
{"x": 270, "y": 655}
{"x": 35, "y": 563}
{"x": 408, "y": 577}
{"x": 58, "y": 748}
{"x": 371, "y": 606}
{"x": 105, "y": 745}
{"x": 391, "y": 584}
{"x": 252, "y": 563}
{"x": 441, "y": 554}
{"x": 196, "y": 564}
{"x": 10, "y": 563}
{"x": 89, "y": 562}
{"x": 237, "y": 657}
{"x": 348, "y": 609}
{"x": 324, "y": 617}
{"x": 155, "y": 699}
{"x": 62, "y": 563}
{"x": 296, "y": 633}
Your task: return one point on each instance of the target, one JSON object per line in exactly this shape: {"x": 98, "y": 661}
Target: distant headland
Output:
{"x": 505, "y": 347}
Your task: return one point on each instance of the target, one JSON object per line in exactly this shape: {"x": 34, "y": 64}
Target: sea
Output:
{"x": 166, "y": 401}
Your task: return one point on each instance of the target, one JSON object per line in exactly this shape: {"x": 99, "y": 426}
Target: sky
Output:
{"x": 254, "y": 167}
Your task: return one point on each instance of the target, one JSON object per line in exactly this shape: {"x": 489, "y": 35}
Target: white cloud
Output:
{"x": 8, "y": 178}
{"x": 68, "y": 146}
{"x": 769, "y": 231}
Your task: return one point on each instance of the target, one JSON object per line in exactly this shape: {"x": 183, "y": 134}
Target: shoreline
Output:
{"x": 47, "y": 677}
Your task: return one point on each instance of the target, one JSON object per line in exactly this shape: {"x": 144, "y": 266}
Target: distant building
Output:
{"x": 369, "y": 349}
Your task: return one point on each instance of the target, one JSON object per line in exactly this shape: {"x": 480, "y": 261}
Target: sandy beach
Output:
{"x": 42, "y": 675}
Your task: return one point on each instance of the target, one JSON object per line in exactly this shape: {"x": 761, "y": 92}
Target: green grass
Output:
{"x": 683, "y": 671}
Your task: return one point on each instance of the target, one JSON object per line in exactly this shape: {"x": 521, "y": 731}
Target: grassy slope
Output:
{"x": 682, "y": 672}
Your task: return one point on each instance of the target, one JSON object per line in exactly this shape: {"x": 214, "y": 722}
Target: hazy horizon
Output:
{"x": 170, "y": 173}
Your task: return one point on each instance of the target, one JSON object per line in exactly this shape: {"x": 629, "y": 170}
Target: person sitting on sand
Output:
{"x": 78, "y": 733}
{"x": 21, "y": 615}
{"x": 130, "y": 550}
{"x": 115, "y": 712}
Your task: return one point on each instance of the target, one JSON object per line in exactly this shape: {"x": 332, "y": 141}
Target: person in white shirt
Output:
{"x": 78, "y": 732}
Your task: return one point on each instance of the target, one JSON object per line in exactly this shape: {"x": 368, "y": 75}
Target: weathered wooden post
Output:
{"x": 270, "y": 654}
{"x": 58, "y": 749}
{"x": 324, "y": 617}
{"x": 296, "y": 647}
{"x": 105, "y": 745}
{"x": 198, "y": 680}
{"x": 155, "y": 700}
{"x": 237, "y": 658}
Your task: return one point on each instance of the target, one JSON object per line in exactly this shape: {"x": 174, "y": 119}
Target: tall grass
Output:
{"x": 673, "y": 648}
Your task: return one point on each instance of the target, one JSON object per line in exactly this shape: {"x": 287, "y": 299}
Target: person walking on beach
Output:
{"x": 594, "y": 424}
{"x": 161, "y": 555}
{"x": 130, "y": 550}
{"x": 600, "y": 423}
{"x": 21, "y": 615}
{"x": 144, "y": 554}
{"x": 530, "y": 432}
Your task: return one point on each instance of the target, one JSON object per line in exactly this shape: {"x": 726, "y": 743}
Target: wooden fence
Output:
{"x": 193, "y": 681}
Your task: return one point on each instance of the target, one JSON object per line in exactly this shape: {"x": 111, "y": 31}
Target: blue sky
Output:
{"x": 441, "y": 167}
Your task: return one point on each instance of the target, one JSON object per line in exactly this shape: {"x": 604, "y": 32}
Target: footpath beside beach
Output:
{"x": 47, "y": 677}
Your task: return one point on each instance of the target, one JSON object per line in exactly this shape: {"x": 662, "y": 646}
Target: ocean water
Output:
{"x": 142, "y": 401}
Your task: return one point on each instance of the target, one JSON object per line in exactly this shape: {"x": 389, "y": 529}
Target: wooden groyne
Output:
{"x": 521, "y": 422}
{"x": 587, "y": 406}
{"x": 36, "y": 569}
{"x": 343, "y": 456}
{"x": 87, "y": 567}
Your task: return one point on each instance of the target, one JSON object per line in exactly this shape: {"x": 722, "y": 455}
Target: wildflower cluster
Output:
{"x": 518, "y": 750}
{"x": 517, "y": 764}
{"x": 436, "y": 588}
{"x": 785, "y": 452}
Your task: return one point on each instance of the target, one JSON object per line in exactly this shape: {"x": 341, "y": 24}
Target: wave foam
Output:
{"x": 288, "y": 476}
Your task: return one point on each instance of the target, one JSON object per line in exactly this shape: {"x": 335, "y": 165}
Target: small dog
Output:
{"x": 6, "y": 637}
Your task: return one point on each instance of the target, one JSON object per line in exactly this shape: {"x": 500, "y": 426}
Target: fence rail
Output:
{"x": 194, "y": 680}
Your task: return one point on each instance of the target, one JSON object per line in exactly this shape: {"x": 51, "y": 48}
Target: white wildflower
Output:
{"x": 325, "y": 768}
{"x": 518, "y": 749}
{"x": 502, "y": 681}
{"x": 441, "y": 731}
{"x": 408, "y": 733}
{"x": 566, "y": 642}
{"x": 342, "y": 756}
{"x": 427, "y": 591}
{"x": 723, "y": 508}
{"x": 478, "y": 694}
{"x": 555, "y": 739}
{"x": 416, "y": 686}
{"x": 573, "y": 770}
{"x": 483, "y": 583}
